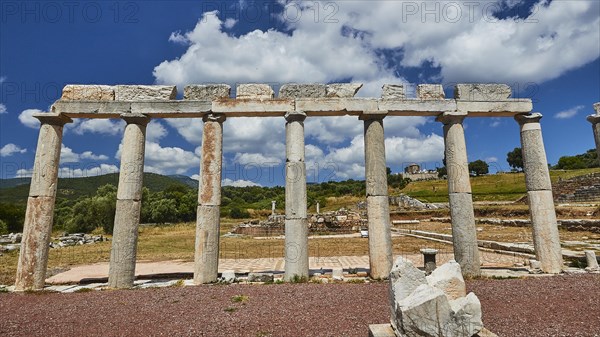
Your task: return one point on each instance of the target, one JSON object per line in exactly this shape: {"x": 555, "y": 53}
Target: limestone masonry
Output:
{"x": 138, "y": 104}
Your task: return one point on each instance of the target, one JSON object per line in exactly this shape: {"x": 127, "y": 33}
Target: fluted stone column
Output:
{"x": 296, "y": 222}
{"x": 121, "y": 271}
{"x": 464, "y": 232}
{"x": 595, "y": 120}
{"x": 206, "y": 257}
{"x": 378, "y": 209}
{"x": 33, "y": 257}
{"x": 539, "y": 191}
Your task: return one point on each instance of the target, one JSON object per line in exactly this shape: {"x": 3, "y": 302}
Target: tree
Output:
{"x": 442, "y": 171}
{"x": 570, "y": 163}
{"x": 478, "y": 167}
{"x": 515, "y": 158}
{"x": 236, "y": 213}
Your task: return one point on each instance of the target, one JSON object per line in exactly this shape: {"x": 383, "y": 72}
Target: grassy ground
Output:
{"x": 494, "y": 187}
{"x": 176, "y": 242}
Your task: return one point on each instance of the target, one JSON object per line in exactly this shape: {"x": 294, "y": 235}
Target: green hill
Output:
{"x": 73, "y": 188}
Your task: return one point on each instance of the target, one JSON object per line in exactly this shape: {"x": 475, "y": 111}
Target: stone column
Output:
{"x": 296, "y": 222}
{"x": 206, "y": 257}
{"x": 33, "y": 257}
{"x": 595, "y": 120}
{"x": 464, "y": 232}
{"x": 273, "y": 202}
{"x": 378, "y": 209}
{"x": 121, "y": 271}
{"x": 539, "y": 191}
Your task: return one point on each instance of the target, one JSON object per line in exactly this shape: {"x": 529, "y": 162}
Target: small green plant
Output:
{"x": 179, "y": 283}
{"x": 263, "y": 334}
{"x": 299, "y": 279}
{"x": 315, "y": 280}
{"x": 84, "y": 290}
{"x": 3, "y": 290}
{"x": 230, "y": 309}
{"x": 279, "y": 281}
{"x": 240, "y": 299}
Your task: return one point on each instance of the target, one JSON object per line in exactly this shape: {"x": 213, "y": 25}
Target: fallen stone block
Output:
{"x": 448, "y": 278}
{"x": 302, "y": 91}
{"x": 343, "y": 90}
{"x": 206, "y": 92}
{"x": 260, "y": 277}
{"x": 145, "y": 92}
{"x": 337, "y": 274}
{"x": 228, "y": 276}
{"x": 424, "y": 313}
{"x": 592, "y": 262}
{"x": 482, "y": 92}
{"x": 466, "y": 318}
{"x": 254, "y": 91}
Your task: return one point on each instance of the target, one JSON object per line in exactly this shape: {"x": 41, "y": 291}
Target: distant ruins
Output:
{"x": 138, "y": 104}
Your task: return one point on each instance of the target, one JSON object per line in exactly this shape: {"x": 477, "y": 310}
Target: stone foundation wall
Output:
{"x": 579, "y": 189}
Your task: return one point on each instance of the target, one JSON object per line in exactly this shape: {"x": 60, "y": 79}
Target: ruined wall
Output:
{"x": 579, "y": 189}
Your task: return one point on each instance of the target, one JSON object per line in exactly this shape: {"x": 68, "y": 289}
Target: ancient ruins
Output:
{"x": 138, "y": 104}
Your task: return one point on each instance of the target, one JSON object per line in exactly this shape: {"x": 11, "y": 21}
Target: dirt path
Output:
{"x": 549, "y": 306}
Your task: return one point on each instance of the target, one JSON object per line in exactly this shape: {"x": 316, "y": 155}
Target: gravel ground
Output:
{"x": 547, "y": 306}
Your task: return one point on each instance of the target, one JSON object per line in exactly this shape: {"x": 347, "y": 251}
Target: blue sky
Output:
{"x": 547, "y": 51}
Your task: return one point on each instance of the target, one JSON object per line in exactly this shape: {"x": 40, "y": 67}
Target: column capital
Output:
{"x": 52, "y": 118}
{"x": 372, "y": 115}
{"x": 214, "y": 117}
{"x": 295, "y": 116}
{"x": 448, "y": 118}
{"x": 594, "y": 119}
{"x": 597, "y": 108}
{"x": 134, "y": 118}
{"x": 533, "y": 117}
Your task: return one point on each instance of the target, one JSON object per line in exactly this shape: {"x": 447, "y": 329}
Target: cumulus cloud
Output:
{"x": 26, "y": 118}
{"x": 3, "y": 109}
{"x": 10, "y": 149}
{"x": 565, "y": 114}
{"x": 67, "y": 155}
{"x": 75, "y": 171}
{"x": 238, "y": 183}
{"x": 97, "y": 126}
{"x": 169, "y": 160}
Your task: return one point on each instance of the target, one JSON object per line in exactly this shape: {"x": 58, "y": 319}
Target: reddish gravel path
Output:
{"x": 556, "y": 306}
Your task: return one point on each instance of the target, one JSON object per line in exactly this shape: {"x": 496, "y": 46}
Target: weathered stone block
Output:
{"x": 76, "y": 92}
{"x": 448, "y": 278}
{"x": 228, "y": 276}
{"x": 254, "y": 91}
{"x": 260, "y": 277}
{"x": 206, "y": 91}
{"x": 592, "y": 261}
{"x": 343, "y": 90}
{"x": 393, "y": 91}
{"x": 302, "y": 90}
{"x": 466, "y": 319}
{"x": 430, "y": 91}
{"x": 145, "y": 92}
{"x": 482, "y": 92}
{"x": 426, "y": 312}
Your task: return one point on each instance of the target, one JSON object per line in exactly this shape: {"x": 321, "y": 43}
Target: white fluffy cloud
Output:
{"x": 238, "y": 183}
{"x": 565, "y": 114}
{"x": 68, "y": 156}
{"x": 27, "y": 119}
{"x": 97, "y": 126}
{"x": 3, "y": 109}
{"x": 76, "y": 171}
{"x": 10, "y": 149}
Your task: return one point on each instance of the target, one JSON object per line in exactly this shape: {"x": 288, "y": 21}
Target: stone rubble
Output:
{"x": 75, "y": 239}
{"x": 436, "y": 305}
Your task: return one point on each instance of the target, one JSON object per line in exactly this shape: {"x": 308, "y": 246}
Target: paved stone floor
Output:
{"x": 271, "y": 265}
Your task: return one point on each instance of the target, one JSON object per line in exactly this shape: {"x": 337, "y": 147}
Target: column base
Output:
{"x": 296, "y": 249}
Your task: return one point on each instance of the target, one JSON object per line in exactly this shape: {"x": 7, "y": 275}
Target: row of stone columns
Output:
{"x": 40, "y": 207}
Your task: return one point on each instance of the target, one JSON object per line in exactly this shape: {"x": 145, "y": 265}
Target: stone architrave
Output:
{"x": 296, "y": 222}
{"x": 206, "y": 257}
{"x": 546, "y": 240}
{"x": 464, "y": 232}
{"x": 378, "y": 212}
{"x": 123, "y": 253}
{"x": 33, "y": 256}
